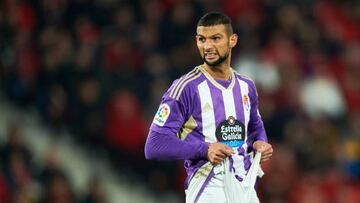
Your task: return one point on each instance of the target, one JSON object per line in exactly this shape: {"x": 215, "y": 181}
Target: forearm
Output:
{"x": 169, "y": 147}
{"x": 260, "y": 134}
{"x": 257, "y": 131}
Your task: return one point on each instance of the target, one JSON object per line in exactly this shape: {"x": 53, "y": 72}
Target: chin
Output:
{"x": 212, "y": 63}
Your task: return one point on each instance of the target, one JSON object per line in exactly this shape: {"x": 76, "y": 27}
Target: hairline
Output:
{"x": 228, "y": 27}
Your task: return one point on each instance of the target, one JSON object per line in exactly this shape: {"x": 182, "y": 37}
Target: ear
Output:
{"x": 233, "y": 40}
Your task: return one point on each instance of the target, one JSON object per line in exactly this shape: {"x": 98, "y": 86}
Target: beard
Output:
{"x": 219, "y": 61}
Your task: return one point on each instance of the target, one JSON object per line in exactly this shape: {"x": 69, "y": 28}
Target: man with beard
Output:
{"x": 209, "y": 118}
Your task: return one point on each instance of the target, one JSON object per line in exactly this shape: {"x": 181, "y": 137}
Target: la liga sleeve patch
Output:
{"x": 162, "y": 115}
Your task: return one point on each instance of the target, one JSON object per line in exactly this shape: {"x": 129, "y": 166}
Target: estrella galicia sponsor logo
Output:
{"x": 231, "y": 132}
{"x": 162, "y": 114}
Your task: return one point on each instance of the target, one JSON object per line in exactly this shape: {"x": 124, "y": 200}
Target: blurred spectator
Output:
{"x": 95, "y": 193}
{"x": 51, "y": 167}
{"x": 126, "y": 126}
{"x": 23, "y": 196}
{"x": 53, "y": 105}
{"x": 324, "y": 187}
{"x": 86, "y": 31}
{"x": 14, "y": 146}
{"x": 126, "y": 129}
{"x": 58, "y": 190}
{"x": 4, "y": 190}
{"x": 284, "y": 171}
{"x": 18, "y": 167}
{"x": 322, "y": 97}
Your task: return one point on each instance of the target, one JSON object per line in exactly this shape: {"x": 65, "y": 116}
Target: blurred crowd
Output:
{"x": 22, "y": 180}
{"x": 99, "y": 68}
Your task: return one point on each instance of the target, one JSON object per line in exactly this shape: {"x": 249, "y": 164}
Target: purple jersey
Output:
{"x": 197, "y": 110}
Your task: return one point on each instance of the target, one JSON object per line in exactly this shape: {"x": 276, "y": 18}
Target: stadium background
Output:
{"x": 81, "y": 80}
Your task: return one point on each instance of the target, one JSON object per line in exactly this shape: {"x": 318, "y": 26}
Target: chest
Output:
{"x": 217, "y": 109}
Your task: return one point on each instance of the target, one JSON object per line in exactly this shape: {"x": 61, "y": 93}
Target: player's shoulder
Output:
{"x": 244, "y": 78}
{"x": 184, "y": 83}
{"x": 248, "y": 81}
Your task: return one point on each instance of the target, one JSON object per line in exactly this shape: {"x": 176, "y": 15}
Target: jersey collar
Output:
{"x": 215, "y": 83}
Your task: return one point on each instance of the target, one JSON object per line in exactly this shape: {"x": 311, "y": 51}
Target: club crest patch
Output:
{"x": 246, "y": 102}
{"x": 162, "y": 115}
{"x": 231, "y": 132}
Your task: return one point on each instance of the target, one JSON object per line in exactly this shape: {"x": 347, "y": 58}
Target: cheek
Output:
{"x": 201, "y": 49}
{"x": 222, "y": 48}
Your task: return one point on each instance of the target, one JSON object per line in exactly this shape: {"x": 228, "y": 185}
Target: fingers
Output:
{"x": 266, "y": 156}
{"x": 217, "y": 152}
{"x": 218, "y": 160}
{"x": 264, "y": 148}
{"x": 228, "y": 151}
{"x": 220, "y": 154}
{"x": 264, "y": 160}
{"x": 267, "y": 153}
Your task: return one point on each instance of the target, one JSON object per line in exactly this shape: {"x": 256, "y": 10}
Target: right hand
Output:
{"x": 217, "y": 152}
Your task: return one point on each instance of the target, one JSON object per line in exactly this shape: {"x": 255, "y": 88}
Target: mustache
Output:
{"x": 211, "y": 52}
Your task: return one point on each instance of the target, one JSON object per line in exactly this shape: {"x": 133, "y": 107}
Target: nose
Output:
{"x": 208, "y": 46}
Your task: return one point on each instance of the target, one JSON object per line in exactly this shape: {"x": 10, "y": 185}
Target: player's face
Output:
{"x": 214, "y": 44}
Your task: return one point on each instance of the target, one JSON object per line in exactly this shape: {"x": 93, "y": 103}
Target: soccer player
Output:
{"x": 209, "y": 118}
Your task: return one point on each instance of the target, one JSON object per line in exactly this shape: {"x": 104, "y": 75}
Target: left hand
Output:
{"x": 265, "y": 149}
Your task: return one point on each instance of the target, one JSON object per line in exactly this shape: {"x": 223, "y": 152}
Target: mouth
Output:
{"x": 210, "y": 56}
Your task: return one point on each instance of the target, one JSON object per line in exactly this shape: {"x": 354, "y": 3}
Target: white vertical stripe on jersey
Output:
{"x": 245, "y": 91}
{"x": 207, "y": 114}
{"x": 229, "y": 103}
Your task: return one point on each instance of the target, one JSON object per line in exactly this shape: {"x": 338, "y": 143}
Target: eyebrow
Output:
{"x": 214, "y": 35}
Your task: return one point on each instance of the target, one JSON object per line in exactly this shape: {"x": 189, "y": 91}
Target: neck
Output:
{"x": 219, "y": 72}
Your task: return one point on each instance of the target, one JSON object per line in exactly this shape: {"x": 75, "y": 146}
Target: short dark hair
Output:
{"x": 216, "y": 18}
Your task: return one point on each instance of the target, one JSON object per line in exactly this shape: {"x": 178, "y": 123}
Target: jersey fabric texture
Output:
{"x": 197, "y": 110}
